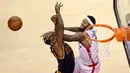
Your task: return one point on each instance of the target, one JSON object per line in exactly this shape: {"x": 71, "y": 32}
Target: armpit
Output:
{"x": 63, "y": 55}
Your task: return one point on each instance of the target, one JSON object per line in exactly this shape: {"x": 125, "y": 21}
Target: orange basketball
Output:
{"x": 15, "y": 23}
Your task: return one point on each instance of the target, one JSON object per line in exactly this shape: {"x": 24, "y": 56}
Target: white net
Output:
{"x": 104, "y": 50}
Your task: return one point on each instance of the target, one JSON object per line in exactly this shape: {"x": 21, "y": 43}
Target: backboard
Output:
{"x": 122, "y": 14}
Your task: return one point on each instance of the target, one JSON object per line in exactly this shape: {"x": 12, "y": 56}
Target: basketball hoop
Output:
{"x": 99, "y": 25}
{"x": 121, "y": 34}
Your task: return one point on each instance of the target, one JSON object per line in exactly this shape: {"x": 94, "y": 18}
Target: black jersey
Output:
{"x": 66, "y": 64}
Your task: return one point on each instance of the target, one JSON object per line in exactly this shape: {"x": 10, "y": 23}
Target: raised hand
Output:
{"x": 57, "y": 7}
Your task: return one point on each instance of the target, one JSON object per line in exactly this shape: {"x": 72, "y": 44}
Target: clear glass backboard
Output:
{"x": 122, "y": 14}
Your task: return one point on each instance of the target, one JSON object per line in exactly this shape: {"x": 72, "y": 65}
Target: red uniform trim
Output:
{"x": 90, "y": 56}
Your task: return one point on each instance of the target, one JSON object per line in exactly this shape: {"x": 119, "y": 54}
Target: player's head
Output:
{"x": 49, "y": 38}
{"x": 89, "y": 20}
{"x": 54, "y": 19}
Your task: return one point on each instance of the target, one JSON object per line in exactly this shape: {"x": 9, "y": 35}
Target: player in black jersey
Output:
{"x": 61, "y": 50}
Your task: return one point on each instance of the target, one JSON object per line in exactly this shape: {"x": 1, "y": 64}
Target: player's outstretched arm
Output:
{"x": 76, "y": 37}
{"x": 79, "y": 36}
{"x": 59, "y": 30}
{"x": 59, "y": 27}
{"x": 73, "y": 29}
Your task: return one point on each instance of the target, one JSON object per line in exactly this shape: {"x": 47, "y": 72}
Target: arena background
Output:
{"x": 24, "y": 51}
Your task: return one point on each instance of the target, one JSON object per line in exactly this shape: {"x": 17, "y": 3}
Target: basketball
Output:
{"x": 15, "y": 23}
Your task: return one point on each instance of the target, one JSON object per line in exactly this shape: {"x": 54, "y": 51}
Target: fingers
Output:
{"x": 58, "y": 4}
{"x": 57, "y": 7}
{"x": 61, "y": 5}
